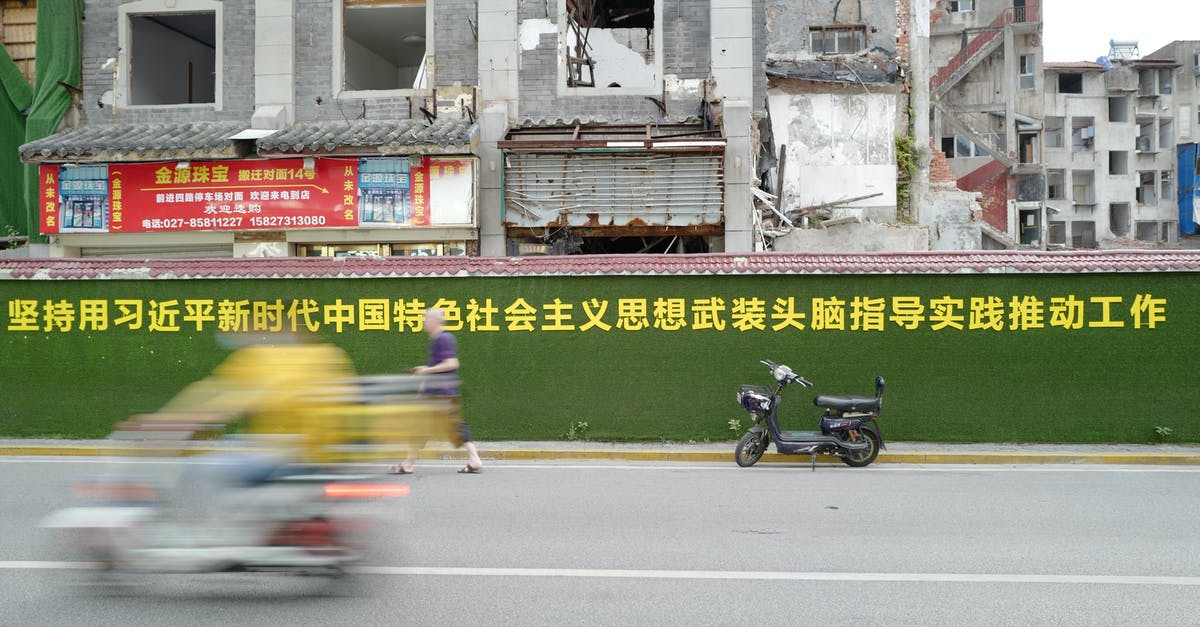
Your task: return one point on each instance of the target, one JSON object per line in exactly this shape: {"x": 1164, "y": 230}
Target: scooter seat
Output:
{"x": 854, "y": 404}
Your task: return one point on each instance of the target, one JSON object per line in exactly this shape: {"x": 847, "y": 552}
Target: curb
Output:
{"x": 652, "y": 455}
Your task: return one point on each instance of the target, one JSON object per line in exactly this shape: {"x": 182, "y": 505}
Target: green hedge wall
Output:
{"x": 1023, "y": 378}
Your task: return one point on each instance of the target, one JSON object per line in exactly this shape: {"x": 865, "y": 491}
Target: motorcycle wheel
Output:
{"x": 750, "y": 449}
{"x": 859, "y": 459}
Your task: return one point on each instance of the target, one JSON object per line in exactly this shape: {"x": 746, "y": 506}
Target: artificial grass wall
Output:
{"x": 1028, "y": 377}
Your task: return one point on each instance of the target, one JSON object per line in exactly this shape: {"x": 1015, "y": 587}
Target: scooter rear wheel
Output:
{"x": 862, "y": 458}
{"x": 750, "y": 448}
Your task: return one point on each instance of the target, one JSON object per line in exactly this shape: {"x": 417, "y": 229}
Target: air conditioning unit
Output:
{"x": 1143, "y": 144}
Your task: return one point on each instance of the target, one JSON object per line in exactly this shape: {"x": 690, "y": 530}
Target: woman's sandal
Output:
{"x": 470, "y": 470}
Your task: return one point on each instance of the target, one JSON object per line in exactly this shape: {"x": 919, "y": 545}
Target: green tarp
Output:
{"x": 31, "y": 114}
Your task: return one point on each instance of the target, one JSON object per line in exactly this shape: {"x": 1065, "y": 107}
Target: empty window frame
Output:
{"x": 1083, "y": 134}
{"x": 612, "y": 44}
{"x": 1146, "y": 192}
{"x": 1053, "y": 137}
{"x": 1070, "y": 83}
{"x": 1119, "y": 218}
{"x": 175, "y": 57}
{"x": 1028, "y": 63}
{"x": 1118, "y": 162}
{"x": 1083, "y": 187}
{"x": 1055, "y": 185}
{"x": 1166, "y": 133}
{"x": 382, "y": 45}
{"x": 1118, "y": 109}
{"x": 1144, "y": 142}
{"x": 837, "y": 39}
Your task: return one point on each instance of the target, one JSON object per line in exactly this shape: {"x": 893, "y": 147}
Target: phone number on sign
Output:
{"x": 287, "y": 221}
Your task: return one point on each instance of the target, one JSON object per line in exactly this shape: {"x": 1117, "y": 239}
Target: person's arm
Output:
{"x": 445, "y": 365}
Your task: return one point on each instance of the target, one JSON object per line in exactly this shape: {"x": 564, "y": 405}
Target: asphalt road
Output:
{"x": 603, "y": 543}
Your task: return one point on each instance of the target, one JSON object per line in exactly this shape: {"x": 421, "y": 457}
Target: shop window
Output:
{"x": 612, "y": 43}
{"x": 840, "y": 39}
{"x": 175, "y": 54}
{"x": 382, "y": 46}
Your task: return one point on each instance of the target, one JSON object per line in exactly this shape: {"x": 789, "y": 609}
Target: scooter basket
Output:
{"x": 754, "y": 398}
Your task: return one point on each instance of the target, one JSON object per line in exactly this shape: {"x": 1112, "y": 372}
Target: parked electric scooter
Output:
{"x": 849, "y": 429}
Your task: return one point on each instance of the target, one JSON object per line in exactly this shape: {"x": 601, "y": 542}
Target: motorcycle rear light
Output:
{"x": 113, "y": 491}
{"x": 365, "y": 490}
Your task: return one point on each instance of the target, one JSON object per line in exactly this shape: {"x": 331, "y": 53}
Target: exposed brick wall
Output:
{"x": 100, "y": 42}
{"x": 456, "y": 50}
{"x": 940, "y": 173}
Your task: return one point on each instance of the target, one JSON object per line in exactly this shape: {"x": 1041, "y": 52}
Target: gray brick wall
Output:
{"x": 100, "y": 43}
{"x": 455, "y": 49}
{"x": 314, "y": 72}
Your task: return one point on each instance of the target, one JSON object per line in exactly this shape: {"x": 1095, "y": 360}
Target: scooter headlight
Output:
{"x": 781, "y": 373}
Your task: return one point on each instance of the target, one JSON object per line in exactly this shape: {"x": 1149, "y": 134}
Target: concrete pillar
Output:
{"x": 739, "y": 226}
{"x": 492, "y": 124}
{"x": 919, "y": 99}
{"x": 499, "y": 59}
{"x": 274, "y": 63}
{"x": 732, "y": 61}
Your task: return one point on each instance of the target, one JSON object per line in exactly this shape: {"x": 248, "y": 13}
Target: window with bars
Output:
{"x": 840, "y": 39}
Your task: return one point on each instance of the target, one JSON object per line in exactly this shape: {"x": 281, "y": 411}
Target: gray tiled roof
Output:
{"x": 446, "y": 134}
{"x": 137, "y": 142}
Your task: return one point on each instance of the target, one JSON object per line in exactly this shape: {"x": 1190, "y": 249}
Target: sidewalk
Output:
{"x": 721, "y": 452}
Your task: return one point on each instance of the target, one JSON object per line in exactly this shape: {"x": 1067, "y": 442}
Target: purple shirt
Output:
{"x": 443, "y": 347}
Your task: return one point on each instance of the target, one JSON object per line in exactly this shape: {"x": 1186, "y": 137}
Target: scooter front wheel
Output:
{"x": 750, "y": 448}
{"x": 858, "y": 459}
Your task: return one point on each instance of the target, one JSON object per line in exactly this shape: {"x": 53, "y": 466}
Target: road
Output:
{"x": 604, "y": 543}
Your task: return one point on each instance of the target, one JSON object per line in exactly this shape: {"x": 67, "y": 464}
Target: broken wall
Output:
{"x": 838, "y": 146}
{"x": 622, "y": 56}
{"x": 865, "y": 237}
{"x": 788, "y": 22}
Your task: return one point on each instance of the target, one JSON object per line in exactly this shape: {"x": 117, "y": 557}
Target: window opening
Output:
{"x": 1147, "y": 182}
{"x": 1118, "y": 218}
{"x": 1028, "y": 61}
{"x": 1118, "y": 109}
{"x": 1054, "y": 185}
{"x": 837, "y": 39}
{"x": 605, "y": 39}
{"x": 1054, "y": 132}
{"x": 1083, "y": 134}
{"x": 173, "y": 58}
{"x": 1070, "y": 83}
{"x": 1118, "y": 162}
{"x": 962, "y": 6}
{"x": 383, "y": 45}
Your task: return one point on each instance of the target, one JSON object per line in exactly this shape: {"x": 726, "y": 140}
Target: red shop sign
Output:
{"x": 232, "y": 195}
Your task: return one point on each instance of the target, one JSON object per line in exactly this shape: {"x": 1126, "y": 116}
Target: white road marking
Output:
{"x": 610, "y": 573}
{"x": 683, "y": 465}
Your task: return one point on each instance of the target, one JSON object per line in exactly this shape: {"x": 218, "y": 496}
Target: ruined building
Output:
{"x": 986, "y": 100}
{"x": 375, "y": 127}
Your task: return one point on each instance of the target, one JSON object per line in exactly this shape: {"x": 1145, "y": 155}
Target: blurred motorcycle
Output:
{"x": 227, "y": 512}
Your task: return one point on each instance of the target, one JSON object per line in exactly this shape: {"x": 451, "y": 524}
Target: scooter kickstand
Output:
{"x": 814, "y": 462}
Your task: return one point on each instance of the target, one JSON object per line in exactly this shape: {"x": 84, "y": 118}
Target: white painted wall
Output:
{"x": 621, "y": 57}
{"x": 838, "y": 146}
